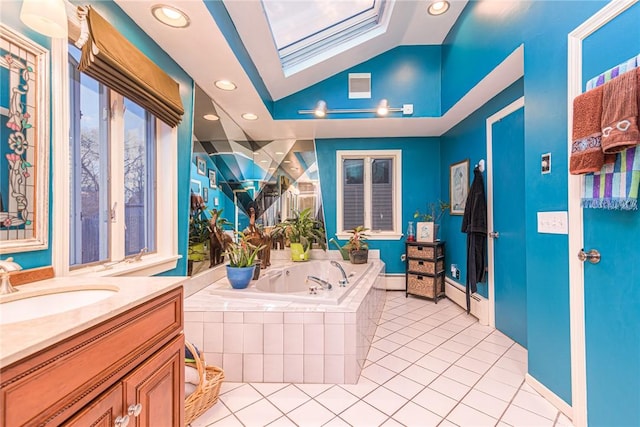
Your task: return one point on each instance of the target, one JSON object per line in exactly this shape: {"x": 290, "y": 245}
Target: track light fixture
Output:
{"x": 382, "y": 109}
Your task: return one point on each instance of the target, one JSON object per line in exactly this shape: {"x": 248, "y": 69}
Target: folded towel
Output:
{"x": 191, "y": 375}
{"x": 586, "y": 151}
{"x": 616, "y": 185}
{"x": 620, "y": 113}
{"x": 189, "y": 389}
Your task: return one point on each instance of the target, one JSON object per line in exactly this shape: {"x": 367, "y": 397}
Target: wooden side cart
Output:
{"x": 425, "y": 270}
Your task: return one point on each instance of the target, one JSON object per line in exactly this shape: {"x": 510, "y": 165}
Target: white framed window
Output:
{"x": 115, "y": 179}
{"x": 369, "y": 192}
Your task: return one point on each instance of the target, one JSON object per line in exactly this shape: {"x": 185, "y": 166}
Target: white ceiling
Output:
{"x": 202, "y": 51}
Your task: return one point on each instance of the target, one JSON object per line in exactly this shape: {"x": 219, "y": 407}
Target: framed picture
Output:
{"x": 205, "y": 194}
{"x": 25, "y": 140}
{"x": 212, "y": 179}
{"x": 458, "y": 186}
{"x": 201, "y": 165}
{"x": 196, "y": 187}
{"x": 425, "y": 232}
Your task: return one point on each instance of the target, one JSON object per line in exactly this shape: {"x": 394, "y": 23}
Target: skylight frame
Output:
{"x": 331, "y": 37}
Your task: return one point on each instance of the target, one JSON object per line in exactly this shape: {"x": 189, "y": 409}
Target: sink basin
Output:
{"x": 17, "y": 307}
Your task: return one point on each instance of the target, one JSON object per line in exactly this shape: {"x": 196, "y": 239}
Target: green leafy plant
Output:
{"x": 242, "y": 253}
{"x": 303, "y": 229}
{"x": 198, "y": 228}
{"x": 357, "y": 240}
{"x": 434, "y": 213}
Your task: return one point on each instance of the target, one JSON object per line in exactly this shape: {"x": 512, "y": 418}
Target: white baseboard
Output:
{"x": 550, "y": 396}
{"x": 395, "y": 282}
{"x": 479, "y": 305}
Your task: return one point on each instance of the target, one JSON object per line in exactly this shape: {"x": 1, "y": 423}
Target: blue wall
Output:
{"x": 115, "y": 15}
{"x": 420, "y": 183}
{"x": 467, "y": 140}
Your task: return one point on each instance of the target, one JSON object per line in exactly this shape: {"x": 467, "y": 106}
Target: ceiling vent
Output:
{"x": 359, "y": 85}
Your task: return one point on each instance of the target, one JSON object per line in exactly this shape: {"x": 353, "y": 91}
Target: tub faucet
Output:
{"x": 323, "y": 283}
{"x": 7, "y": 266}
{"x": 344, "y": 281}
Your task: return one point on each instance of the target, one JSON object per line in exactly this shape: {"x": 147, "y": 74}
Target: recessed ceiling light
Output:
{"x": 211, "y": 117}
{"x": 286, "y": 161}
{"x": 170, "y": 16}
{"x": 279, "y": 153}
{"x": 438, "y": 7}
{"x": 249, "y": 116}
{"x": 225, "y": 85}
{"x": 263, "y": 161}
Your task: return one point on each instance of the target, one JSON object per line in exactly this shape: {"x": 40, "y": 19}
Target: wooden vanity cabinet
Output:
{"x": 95, "y": 376}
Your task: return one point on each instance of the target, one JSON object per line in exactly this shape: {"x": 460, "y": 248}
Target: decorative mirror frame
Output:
{"x": 28, "y": 139}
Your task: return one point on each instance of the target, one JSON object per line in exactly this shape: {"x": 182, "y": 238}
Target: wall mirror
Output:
{"x": 24, "y": 150}
{"x": 230, "y": 173}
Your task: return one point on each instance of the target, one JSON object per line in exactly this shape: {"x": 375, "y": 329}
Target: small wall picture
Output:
{"x": 201, "y": 165}
{"x": 545, "y": 163}
{"x": 205, "y": 194}
{"x": 458, "y": 186}
{"x": 196, "y": 187}
{"x": 425, "y": 232}
{"x": 212, "y": 179}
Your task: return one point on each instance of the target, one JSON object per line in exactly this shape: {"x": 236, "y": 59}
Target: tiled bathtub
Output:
{"x": 274, "y": 340}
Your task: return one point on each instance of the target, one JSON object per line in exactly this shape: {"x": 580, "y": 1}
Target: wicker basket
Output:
{"x": 205, "y": 396}
{"x": 426, "y": 286}
{"x": 428, "y": 267}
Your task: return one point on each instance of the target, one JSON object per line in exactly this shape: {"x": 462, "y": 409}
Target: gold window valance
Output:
{"x": 110, "y": 58}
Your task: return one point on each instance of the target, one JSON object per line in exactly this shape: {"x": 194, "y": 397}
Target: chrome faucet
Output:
{"x": 344, "y": 281}
{"x": 323, "y": 283}
{"x": 7, "y": 266}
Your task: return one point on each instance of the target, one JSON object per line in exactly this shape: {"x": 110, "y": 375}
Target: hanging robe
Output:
{"x": 474, "y": 223}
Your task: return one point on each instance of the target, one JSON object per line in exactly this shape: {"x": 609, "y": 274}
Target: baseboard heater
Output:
{"x": 479, "y": 304}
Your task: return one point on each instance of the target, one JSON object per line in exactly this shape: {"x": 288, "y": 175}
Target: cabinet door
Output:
{"x": 102, "y": 412}
{"x": 158, "y": 385}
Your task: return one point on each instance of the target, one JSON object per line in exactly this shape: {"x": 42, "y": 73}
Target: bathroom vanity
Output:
{"x": 116, "y": 362}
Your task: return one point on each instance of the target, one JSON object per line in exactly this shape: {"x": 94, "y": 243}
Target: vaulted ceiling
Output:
{"x": 205, "y": 54}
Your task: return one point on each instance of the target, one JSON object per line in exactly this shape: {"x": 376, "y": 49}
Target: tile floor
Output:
{"x": 429, "y": 365}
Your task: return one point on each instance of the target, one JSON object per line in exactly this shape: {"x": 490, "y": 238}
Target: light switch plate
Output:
{"x": 553, "y": 222}
{"x": 545, "y": 163}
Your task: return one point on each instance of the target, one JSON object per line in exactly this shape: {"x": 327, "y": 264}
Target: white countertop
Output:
{"x": 21, "y": 339}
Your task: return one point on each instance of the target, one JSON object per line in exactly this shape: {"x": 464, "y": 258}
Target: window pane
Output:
{"x": 139, "y": 178}
{"x": 382, "y": 194}
{"x": 353, "y": 193}
{"x": 89, "y": 213}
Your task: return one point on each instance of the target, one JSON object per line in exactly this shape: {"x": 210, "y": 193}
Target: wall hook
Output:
{"x": 480, "y": 165}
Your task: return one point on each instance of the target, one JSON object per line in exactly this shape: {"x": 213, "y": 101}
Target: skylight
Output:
{"x": 303, "y": 30}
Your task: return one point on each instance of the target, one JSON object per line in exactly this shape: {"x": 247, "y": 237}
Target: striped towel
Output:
{"x": 614, "y": 72}
{"x": 616, "y": 185}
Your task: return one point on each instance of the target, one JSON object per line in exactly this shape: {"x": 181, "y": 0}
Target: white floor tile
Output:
{"x": 386, "y": 345}
{"x": 375, "y": 354}
{"x": 536, "y": 404}
{"x": 228, "y": 421}
{"x": 486, "y": 403}
{"x": 496, "y": 389}
{"x": 240, "y": 397}
{"x": 455, "y": 346}
{"x": 563, "y": 421}
{"x": 404, "y": 386}
{"x": 512, "y": 365}
{"x": 211, "y": 415}
{"x": 416, "y": 416}
{"x": 260, "y": 413}
{"x": 451, "y": 388}
{"x": 483, "y": 355}
{"x": 408, "y": 354}
{"x": 227, "y": 386}
{"x": 288, "y": 398}
{"x": 420, "y": 346}
{"x": 363, "y": 415}
{"x": 446, "y": 355}
{"x": 464, "y": 415}
{"x": 385, "y": 400}
{"x": 431, "y": 338}
{"x": 314, "y": 389}
{"x": 336, "y": 422}
{"x": 336, "y": 399}
{"x": 435, "y": 402}
{"x": 392, "y": 423}
{"x": 393, "y": 363}
{"x": 447, "y": 423}
{"x": 377, "y": 373}
{"x": 266, "y": 389}
{"x": 282, "y": 422}
{"x": 517, "y": 416}
{"x": 462, "y": 375}
{"x": 364, "y": 387}
{"x": 311, "y": 414}
{"x": 517, "y": 352}
{"x": 504, "y": 376}
{"x": 499, "y": 338}
{"x": 474, "y": 365}
{"x": 399, "y": 338}
{"x": 433, "y": 364}
{"x": 419, "y": 374}
{"x": 492, "y": 347}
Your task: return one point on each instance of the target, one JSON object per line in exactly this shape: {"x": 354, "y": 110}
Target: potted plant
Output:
{"x": 242, "y": 255}
{"x": 357, "y": 245}
{"x": 198, "y": 236}
{"x": 429, "y": 222}
{"x": 301, "y": 231}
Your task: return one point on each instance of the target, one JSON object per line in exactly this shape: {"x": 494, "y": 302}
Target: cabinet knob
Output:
{"x": 122, "y": 421}
{"x": 135, "y": 409}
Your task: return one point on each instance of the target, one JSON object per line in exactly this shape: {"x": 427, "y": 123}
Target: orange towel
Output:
{"x": 586, "y": 152}
{"x": 620, "y": 112}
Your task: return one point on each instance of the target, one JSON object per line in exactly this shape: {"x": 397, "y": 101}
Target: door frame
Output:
{"x": 496, "y": 117}
{"x": 576, "y": 272}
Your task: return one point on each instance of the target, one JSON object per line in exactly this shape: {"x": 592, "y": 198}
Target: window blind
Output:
{"x": 110, "y": 58}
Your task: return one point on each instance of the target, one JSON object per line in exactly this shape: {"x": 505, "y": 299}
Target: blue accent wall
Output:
{"x": 420, "y": 183}
{"x": 467, "y": 140}
{"x": 120, "y": 20}
{"x": 404, "y": 75}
